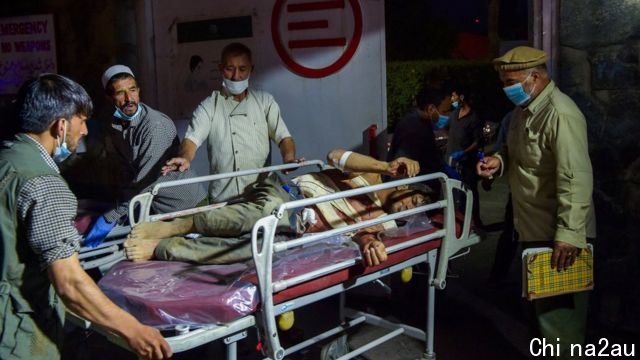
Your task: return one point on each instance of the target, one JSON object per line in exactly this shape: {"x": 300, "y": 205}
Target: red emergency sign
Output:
{"x": 304, "y": 22}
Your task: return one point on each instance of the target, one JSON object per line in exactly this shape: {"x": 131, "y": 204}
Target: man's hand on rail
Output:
{"x": 176, "y": 164}
{"x": 292, "y": 161}
{"x": 374, "y": 253}
{"x": 148, "y": 343}
{"x": 403, "y": 166}
{"x": 373, "y": 250}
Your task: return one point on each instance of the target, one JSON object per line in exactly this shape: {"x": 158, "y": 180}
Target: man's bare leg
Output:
{"x": 163, "y": 229}
{"x": 143, "y": 239}
{"x": 140, "y": 250}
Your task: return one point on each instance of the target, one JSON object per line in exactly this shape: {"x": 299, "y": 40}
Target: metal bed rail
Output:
{"x": 264, "y": 247}
{"x": 231, "y": 333}
{"x": 141, "y": 203}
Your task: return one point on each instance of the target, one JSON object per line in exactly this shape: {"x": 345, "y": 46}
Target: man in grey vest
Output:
{"x": 143, "y": 139}
{"x": 40, "y": 272}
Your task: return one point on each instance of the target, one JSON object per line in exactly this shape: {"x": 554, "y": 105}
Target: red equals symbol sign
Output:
{"x": 314, "y": 25}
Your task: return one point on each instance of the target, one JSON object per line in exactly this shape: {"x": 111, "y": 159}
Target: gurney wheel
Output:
{"x": 335, "y": 349}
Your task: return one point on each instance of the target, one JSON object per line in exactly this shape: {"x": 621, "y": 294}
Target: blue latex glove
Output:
{"x": 451, "y": 172}
{"x": 98, "y": 232}
{"x": 457, "y": 155}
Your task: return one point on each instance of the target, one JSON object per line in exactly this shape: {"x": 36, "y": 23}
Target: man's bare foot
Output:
{"x": 162, "y": 229}
{"x": 139, "y": 249}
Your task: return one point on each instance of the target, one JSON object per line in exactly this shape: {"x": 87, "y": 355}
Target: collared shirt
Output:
{"x": 46, "y": 210}
{"x": 547, "y": 159}
{"x": 238, "y": 137}
{"x": 144, "y": 145}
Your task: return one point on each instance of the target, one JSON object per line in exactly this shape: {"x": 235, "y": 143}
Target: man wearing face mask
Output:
{"x": 40, "y": 273}
{"x": 465, "y": 139}
{"x": 547, "y": 158}
{"x": 238, "y": 124}
{"x": 143, "y": 139}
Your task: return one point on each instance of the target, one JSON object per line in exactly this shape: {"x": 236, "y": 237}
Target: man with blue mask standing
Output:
{"x": 40, "y": 273}
{"x": 143, "y": 139}
{"x": 546, "y": 156}
{"x": 465, "y": 139}
{"x": 238, "y": 124}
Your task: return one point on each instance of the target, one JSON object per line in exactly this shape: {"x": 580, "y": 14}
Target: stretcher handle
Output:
{"x": 143, "y": 203}
{"x": 262, "y": 236}
{"x": 451, "y": 243}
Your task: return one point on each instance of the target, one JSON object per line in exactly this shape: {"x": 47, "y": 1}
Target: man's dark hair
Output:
{"x": 48, "y": 97}
{"x": 235, "y": 49}
{"x": 462, "y": 90}
{"x": 194, "y": 61}
{"x": 404, "y": 193}
{"x": 429, "y": 97}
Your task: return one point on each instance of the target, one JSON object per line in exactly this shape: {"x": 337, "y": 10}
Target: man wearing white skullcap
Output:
{"x": 144, "y": 139}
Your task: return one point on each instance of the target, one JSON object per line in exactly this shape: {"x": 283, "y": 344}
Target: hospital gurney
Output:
{"x": 104, "y": 256}
{"x": 280, "y": 295}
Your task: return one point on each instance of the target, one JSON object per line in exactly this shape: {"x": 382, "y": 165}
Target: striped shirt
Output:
{"x": 238, "y": 137}
{"x": 46, "y": 210}
{"x": 144, "y": 145}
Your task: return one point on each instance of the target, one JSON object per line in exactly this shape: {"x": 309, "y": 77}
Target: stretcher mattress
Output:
{"x": 161, "y": 293}
{"x": 168, "y": 293}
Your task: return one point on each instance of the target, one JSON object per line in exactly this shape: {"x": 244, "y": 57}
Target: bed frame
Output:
{"x": 434, "y": 248}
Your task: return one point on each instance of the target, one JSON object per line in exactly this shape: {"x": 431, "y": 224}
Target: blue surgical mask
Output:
{"x": 235, "y": 87}
{"x": 61, "y": 152}
{"x": 442, "y": 121}
{"x": 455, "y": 104}
{"x": 122, "y": 116}
{"x": 516, "y": 93}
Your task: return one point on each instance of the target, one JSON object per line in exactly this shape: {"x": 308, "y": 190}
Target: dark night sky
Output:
{"x": 429, "y": 29}
{"x": 471, "y": 16}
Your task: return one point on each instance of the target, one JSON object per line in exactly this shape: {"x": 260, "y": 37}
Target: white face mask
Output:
{"x": 122, "y": 116}
{"x": 235, "y": 87}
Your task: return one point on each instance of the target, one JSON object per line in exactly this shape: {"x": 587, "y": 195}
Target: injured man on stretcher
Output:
{"x": 226, "y": 231}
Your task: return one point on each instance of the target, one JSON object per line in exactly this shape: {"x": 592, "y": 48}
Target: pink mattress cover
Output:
{"x": 167, "y": 293}
{"x": 164, "y": 293}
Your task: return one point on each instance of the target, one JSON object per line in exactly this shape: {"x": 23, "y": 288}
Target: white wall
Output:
{"x": 321, "y": 113}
